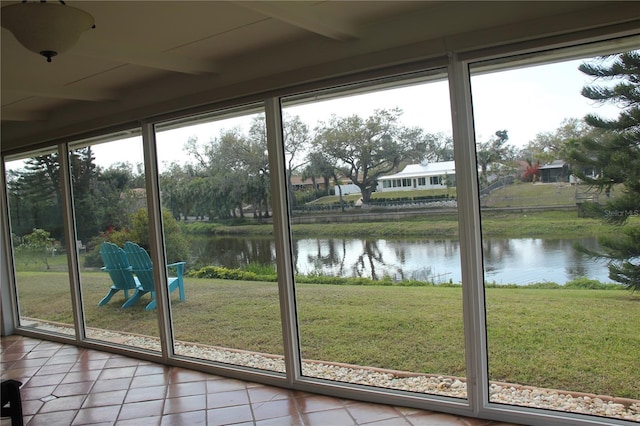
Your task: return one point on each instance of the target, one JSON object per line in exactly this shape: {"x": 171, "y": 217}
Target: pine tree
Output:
{"x": 612, "y": 153}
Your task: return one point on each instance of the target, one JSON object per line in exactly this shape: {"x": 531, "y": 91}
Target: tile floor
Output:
{"x": 67, "y": 385}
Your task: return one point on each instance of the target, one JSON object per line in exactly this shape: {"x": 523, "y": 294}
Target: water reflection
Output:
{"x": 516, "y": 261}
{"x": 529, "y": 260}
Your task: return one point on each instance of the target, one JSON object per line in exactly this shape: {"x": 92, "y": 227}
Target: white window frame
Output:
{"x": 478, "y": 403}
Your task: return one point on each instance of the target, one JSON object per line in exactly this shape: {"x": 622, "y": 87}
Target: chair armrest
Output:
{"x": 179, "y": 267}
{"x": 105, "y": 269}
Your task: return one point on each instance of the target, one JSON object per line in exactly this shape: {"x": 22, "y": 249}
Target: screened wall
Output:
{"x": 221, "y": 240}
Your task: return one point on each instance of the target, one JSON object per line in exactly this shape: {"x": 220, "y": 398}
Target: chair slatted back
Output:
{"x": 117, "y": 265}
{"x": 140, "y": 264}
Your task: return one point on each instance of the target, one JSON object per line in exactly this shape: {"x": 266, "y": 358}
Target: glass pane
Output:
{"x": 214, "y": 180}
{"x": 562, "y": 330}
{"x": 110, "y": 205}
{"x": 375, "y": 235}
{"x": 40, "y": 257}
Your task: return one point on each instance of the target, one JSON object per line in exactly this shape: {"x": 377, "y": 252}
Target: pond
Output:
{"x": 507, "y": 261}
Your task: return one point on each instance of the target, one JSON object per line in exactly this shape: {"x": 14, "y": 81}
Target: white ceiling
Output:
{"x": 149, "y": 57}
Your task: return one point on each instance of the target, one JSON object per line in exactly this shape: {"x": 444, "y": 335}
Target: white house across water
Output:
{"x": 420, "y": 176}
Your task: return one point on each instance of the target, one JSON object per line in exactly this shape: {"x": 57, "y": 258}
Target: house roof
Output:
{"x": 555, "y": 164}
{"x": 423, "y": 170}
{"x": 297, "y": 180}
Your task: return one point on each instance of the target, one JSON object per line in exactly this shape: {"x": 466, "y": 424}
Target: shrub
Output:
{"x": 36, "y": 247}
{"x": 260, "y": 268}
{"x": 229, "y": 274}
{"x": 201, "y": 228}
{"x": 176, "y": 244}
{"x": 545, "y": 285}
{"x": 587, "y": 283}
{"x": 257, "y": 272}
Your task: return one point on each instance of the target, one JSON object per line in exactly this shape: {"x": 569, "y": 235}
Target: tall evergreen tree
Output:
{"x": 34, "y": 194}
{"x": 83, "y": 177}
{"x": 613, "y": 154}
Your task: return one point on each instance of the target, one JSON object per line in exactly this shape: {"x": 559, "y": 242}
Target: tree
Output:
{"x": 234, "y": 168}
{"x": 549, "y": 146}
{"x": 296, "y": 141}
{"x": 37, "y": 196}
{"x": 614, "y": 154}
{"x": 36, "y": 246}
{"x": 255, "y": 159}
{"x": 532, "y": 172}
{"x": 172, "y": 184}
{"x": 175, "y": 242}
{"x": 494, "y": 150}
{"x": 439, "y": 147}
{"x": 214, "y": 185}
{"x": 318, "y": 166}
{"x": 364, "y": 149}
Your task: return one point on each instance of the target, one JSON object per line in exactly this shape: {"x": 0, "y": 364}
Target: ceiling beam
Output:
{"x": 8, "y": 115}
{"x": 303, "y": 15}
{"x": 143, "y": 57}
{"x": 66, "y": 92}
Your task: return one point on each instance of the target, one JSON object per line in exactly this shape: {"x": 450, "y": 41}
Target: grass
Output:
{"x": 580, "y": 340}
{"x": 541, "y": 224}
{"x": 31, "y": 263}
{"x": 522, "y": 194}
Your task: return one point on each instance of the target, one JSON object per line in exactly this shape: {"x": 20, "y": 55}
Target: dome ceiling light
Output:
{"x": 47, "y": 29}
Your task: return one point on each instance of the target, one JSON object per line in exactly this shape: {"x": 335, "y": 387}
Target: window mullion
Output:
{"x": 470, "y": 234}
{"x": 156, "y": 240}
{"x": 68, "y": 214}
{"x": 282, "y": 231}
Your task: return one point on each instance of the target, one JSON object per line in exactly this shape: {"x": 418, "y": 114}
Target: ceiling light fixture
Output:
{"x": 46, "y": 28}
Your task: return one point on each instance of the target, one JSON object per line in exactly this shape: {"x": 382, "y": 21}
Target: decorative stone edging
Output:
{"x": 456, "y": 387}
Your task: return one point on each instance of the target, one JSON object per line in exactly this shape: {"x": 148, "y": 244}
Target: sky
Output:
{"x": 532, "y": 100}
{"x": 523, "y": 101}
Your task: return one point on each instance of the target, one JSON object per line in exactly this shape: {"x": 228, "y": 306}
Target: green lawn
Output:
{"x": 580, "y": 340}
{"x": 524, "y": 194}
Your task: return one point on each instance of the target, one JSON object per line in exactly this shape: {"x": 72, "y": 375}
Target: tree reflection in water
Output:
{"x": 506, "y": 261}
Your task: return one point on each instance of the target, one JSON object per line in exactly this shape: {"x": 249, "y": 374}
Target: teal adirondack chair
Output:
{"x": 117, "y": 265}
{"x": 141, "y": 265}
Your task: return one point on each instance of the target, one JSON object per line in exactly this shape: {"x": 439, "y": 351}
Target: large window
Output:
{"x": 562, "y": 333}
{"x": 374, "y": 308}
{"x": 110, "y": 210}
{"x": 387, "y": 287}
{"x": 214, "y": 181}
{"x": 34, "y": 193}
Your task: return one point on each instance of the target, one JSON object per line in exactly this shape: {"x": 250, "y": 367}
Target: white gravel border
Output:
{"x": 503, "y": 393}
